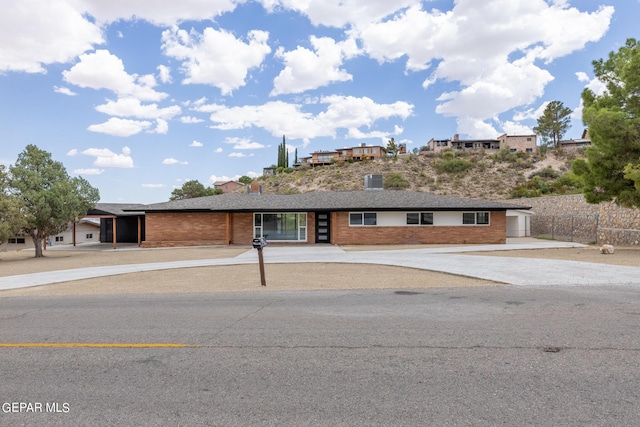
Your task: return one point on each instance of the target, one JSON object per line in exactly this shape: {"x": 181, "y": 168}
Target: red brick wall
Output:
{"x": 242, "y": 228}
{"x": 185, "y": 229}
{"x": 343, "y": 234}
{"x": 193, "y": 229}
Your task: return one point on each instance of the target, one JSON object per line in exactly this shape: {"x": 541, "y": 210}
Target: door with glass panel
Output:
{"x": 323, "y": 227}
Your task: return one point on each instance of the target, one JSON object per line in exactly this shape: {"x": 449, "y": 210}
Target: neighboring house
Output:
{"x": 359, "y": 153}
{"x": 572, "y": 144}
{"x": 17, "y": 243}
{"x": 519, "y": 143}
{"x": 268, "y": 171}
{"x": 228, "y": 186}
{"x": 87, "y": 230}
{"x": 124, "y": 220}
{"x": 343, "y": 218}
{"x": 523, "y": 143}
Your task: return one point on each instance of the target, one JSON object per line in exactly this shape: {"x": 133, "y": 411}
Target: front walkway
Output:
{"x": 514, "y": 271}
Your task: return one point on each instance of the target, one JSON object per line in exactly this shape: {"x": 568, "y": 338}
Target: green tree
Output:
{"x": 613, "y": 120}
{"x": 191, "y": 190}
{"x": 51, "y": 198}
{"x": 283, "y": 154}
{"x": 392, "y": 148}
{"x": 12, "y": 217}
{"x": 244, "y": 179}
{"x": 554, "y": 123}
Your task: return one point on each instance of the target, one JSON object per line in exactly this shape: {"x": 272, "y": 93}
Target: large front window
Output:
{"x": 291, "y": 227}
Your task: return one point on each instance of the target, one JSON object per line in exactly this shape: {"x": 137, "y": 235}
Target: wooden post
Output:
{"x": 74, "y": 233}
{"x": 228, "y": 231}
{"x": 114, "y": 232}
{"x": 263, "y": 280}
{"x": 139, "y": 231}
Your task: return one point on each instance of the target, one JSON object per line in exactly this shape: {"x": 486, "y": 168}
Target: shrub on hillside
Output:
{"x": 453, "y": 166}
{"x": 395, "y": 181}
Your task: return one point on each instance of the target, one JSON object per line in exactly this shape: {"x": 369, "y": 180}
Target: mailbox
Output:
{"x": 259, "y": 243}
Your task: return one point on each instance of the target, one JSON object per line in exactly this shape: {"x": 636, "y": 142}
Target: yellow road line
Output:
{"x": 96, "y": 345}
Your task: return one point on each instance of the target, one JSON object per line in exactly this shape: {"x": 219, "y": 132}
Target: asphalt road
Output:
{"x": 466, "y": 356}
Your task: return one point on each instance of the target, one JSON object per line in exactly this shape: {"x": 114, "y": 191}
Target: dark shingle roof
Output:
{"x": 371, "y": 200}
{"x": 117, "y": 209}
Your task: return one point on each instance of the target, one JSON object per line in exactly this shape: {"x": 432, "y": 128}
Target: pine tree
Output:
{"x": 613, "y": 120}
{"x": 554, "y": 123}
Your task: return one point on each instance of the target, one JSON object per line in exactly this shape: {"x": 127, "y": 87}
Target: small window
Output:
{"x": 528, "y": 139}
{"x": 529, "y": 150}
{"x": 59, "y": 238}
{"x": 512, "y": 150}
{"x": 468, "y": 218}
{"x": 89, "y": 236}
{"x": 413, "y": 218}
{"x": 426, "y": 218}
{"x": 363, "y": 218}
{"x": 482, "y": 218}
{"x": 475, "y": 218}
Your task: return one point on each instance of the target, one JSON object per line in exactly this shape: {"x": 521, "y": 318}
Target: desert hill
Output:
{"x": 462, "y": 174}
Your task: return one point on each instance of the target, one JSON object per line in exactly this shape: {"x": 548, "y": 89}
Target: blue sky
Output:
{"x": 139, "y": 96}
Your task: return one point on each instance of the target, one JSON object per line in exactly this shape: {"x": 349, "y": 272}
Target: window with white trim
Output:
{"x": 363, "y": 218}
{"x": 283, "y": 227}
{"x": 419, "y": 218}
{"x": 475, "y": 218}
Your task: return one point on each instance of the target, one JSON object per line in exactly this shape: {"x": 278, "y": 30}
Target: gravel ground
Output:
{"x": 246, "y": 277}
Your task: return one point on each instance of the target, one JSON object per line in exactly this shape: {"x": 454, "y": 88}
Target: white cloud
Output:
{"x": 485, "y": 48}
{"x": 162, "y": 127}
{"x": 172, "y": 161}
{"x": 515, "y": 128}
{"x": 64, "y": 91}
{"x": 164, "y": 13}
{"x": 153, "y": 185}
{"x": 243, "y": 144}
{"x": 34, "y": 33}
{"x": 196, "y": 144}
{"x": 340, "y": 13}
{"x": 120, "y": 127}
{"x": 108, "y": 159}
{"x": 281, "y": 118}
{"x": 190, "y": 120}
{"x": 103, "y": 70}
{"x": 72, "y": 152}
{"x": 164, "y": 73}
{"x": 94, "y": 171}
{"x": 215, "y": 57}
{"x": 240, "y": 155}
{"x": 218, "y": 150}
{"x": 306, "y": 70}
{"x": 530, "y": 114}
{"x": 132, "y": 107}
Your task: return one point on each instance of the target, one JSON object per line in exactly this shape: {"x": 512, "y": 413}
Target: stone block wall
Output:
{"x": 571, "y": 215}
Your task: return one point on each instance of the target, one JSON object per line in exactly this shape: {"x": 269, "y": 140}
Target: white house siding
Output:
{"x": 399, "y": 219}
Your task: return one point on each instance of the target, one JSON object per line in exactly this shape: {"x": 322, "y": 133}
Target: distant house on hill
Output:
{"x": 356, "y": 154}
{"x": 572, "y": 144}
{"x": 228, "y": 186}
{"x": 515, "y": 143}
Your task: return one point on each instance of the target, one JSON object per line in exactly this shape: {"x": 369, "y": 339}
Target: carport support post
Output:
{"x": 263, "y": 281}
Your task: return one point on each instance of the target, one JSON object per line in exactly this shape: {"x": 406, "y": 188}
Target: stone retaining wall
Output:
{"x": 570, "y": 217}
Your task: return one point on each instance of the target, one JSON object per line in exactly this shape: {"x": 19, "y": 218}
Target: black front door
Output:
{"x": 323, "y": 227}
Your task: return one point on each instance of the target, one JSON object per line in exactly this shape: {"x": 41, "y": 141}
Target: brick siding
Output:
{"x": 343, "y": 234}
{"x": 201, "y": 229}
